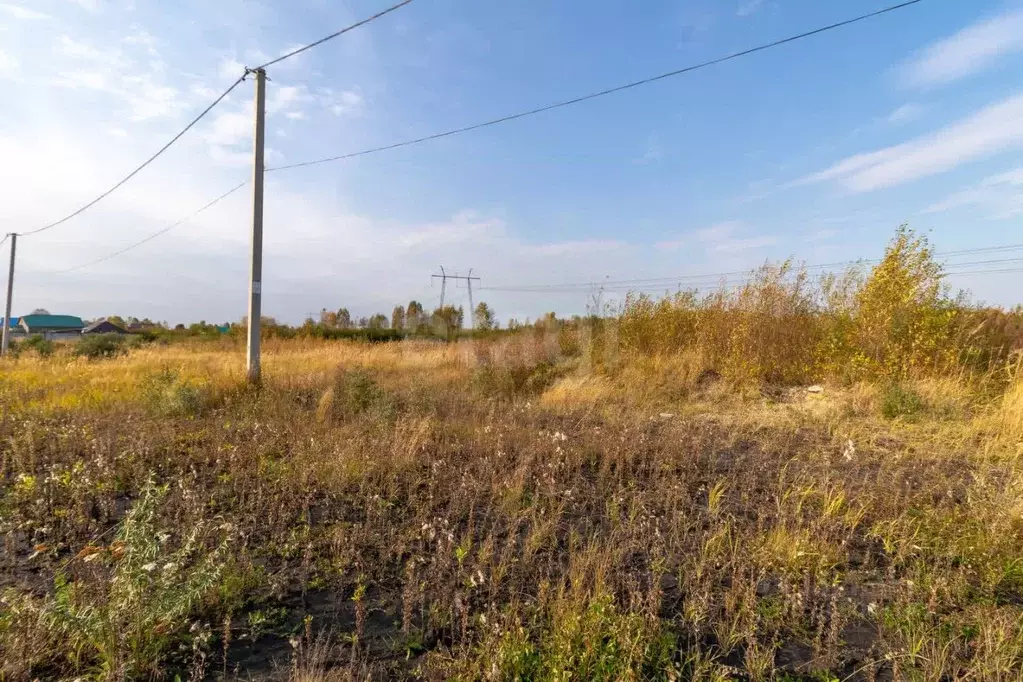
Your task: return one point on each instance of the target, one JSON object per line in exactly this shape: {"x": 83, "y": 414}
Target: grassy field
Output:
{"x": 570, "y": 503}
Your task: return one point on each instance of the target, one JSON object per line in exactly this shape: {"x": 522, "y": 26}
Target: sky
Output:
{"x": 815, "y": 150}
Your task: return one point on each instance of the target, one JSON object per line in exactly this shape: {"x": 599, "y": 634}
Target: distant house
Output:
{"x": 103, "y": 326}
{"x": 13, "y": 325}
{"x": 52, "y": 326}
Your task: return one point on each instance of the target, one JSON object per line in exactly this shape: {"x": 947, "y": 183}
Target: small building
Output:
{"x": 103, "y": 326}
{"x": 15, "y": 329}
{"x": 52, "y": 326}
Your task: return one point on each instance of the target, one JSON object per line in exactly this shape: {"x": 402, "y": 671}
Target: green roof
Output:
{"x": 52, "y": 321}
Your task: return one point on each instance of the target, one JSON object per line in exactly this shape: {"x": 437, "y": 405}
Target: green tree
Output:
{"x": 413, "y": 315}
{"x": 378, "y": 321}
{"x": 344, "y": 319}
{"x": 398, "y": 318}
{"x": 483, "y": 317}
{"x": 447, "y": 321}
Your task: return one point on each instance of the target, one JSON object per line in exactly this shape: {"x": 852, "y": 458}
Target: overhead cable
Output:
{"x": 310, "y": 46}
{"x": 602, "y": 93}
{"x": 155, "y": 234}
{"x": 135, "y": 172}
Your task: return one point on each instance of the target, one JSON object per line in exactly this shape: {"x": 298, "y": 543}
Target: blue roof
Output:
{"x": 14, "y": 322}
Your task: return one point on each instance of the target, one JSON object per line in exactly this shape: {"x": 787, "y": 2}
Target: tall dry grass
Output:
{"x": 895, "y": 322}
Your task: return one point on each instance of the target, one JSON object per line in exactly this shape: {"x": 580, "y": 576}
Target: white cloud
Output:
{"x": 204, "y": 91}
{"x": 148, "y": 100}
{"x": 1000, "y": 196}
{"x": 19, "y": 12}
{"x": 905, "y": 114}
{"x": 285, "y": 97}
{"x": 295, "y": 115}
{"x": 79, "y": 50}
{"x": 8, "y": 64}
{"x": 992, "y": 130}
{"x": 575, "y": 248}
{"x": 230, "y": 68}
{"x": 723, "y": 237}
{"x": 343, "y": 103}
{"x": 230, "y": 128}
{"x": 718, "y": 232}
{"x": 967, "y": 52}
{"x": 822, "y": 235}
{"x": 109, "y": 70}
{"x": 749, "y": 8}
{"x": 144, "y": 39}
{"x": 736, "y": 245}
{"x": 89, "y": 5}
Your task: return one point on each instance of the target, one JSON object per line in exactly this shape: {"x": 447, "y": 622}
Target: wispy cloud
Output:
{"x": 822, "y": 235}
{"x": 1000, "y": 196}
{"x": 19, "y": 12}
{"x": 736, "y": 245}
{"x": 89, "y": 5}
{"x": 342, "y": 103}
{"x": 992, "y": 130}
{"x": 8, "y": 64}
{"x": 652, "y": 152}
{"x": 905, "y": 114}
{"x": 749, "y": 8}
{"x": 971, "y": 50}
{"x": 723, "y": 237}
{"x": 230, "y": 68}
{"x": 672, "y": 244}
{"x": 577, "y": 248}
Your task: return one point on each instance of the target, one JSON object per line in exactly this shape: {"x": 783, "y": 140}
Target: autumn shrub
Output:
{"x": 894, "y": 322}
{"x": 905, "y": 322}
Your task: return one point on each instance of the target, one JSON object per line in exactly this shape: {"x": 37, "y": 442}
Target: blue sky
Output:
{"x": 817, "y": 149}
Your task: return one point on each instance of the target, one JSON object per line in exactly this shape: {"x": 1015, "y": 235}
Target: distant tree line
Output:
{"x": 411, "y": 320}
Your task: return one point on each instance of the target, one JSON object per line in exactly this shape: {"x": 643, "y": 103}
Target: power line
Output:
{"x": 135, "y": 172}
{"x": 655, "y": 281}
{"x": 602, "y": 93}
{"x": 332, "y": 36}
{"x": 203, "y": 114}
{"x": 155, "y": 234}
{"x": 990, "y": 272}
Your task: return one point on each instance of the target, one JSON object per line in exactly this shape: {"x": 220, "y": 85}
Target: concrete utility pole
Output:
{"x": 256, "y": 275}
{"x": 10, "y": 293}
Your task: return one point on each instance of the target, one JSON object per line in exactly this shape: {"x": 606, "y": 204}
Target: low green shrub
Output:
{"x": 899, "y": 401}
{"x": 167, "y": 394}
{"x": 42, "y": 346}
{"x": 100, "y": 346}
{"x": 124, "y": 619}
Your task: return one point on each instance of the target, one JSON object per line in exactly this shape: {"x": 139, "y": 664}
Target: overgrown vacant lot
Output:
{"x": 435, "y": 511}
{"x": 526, "y": 507}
